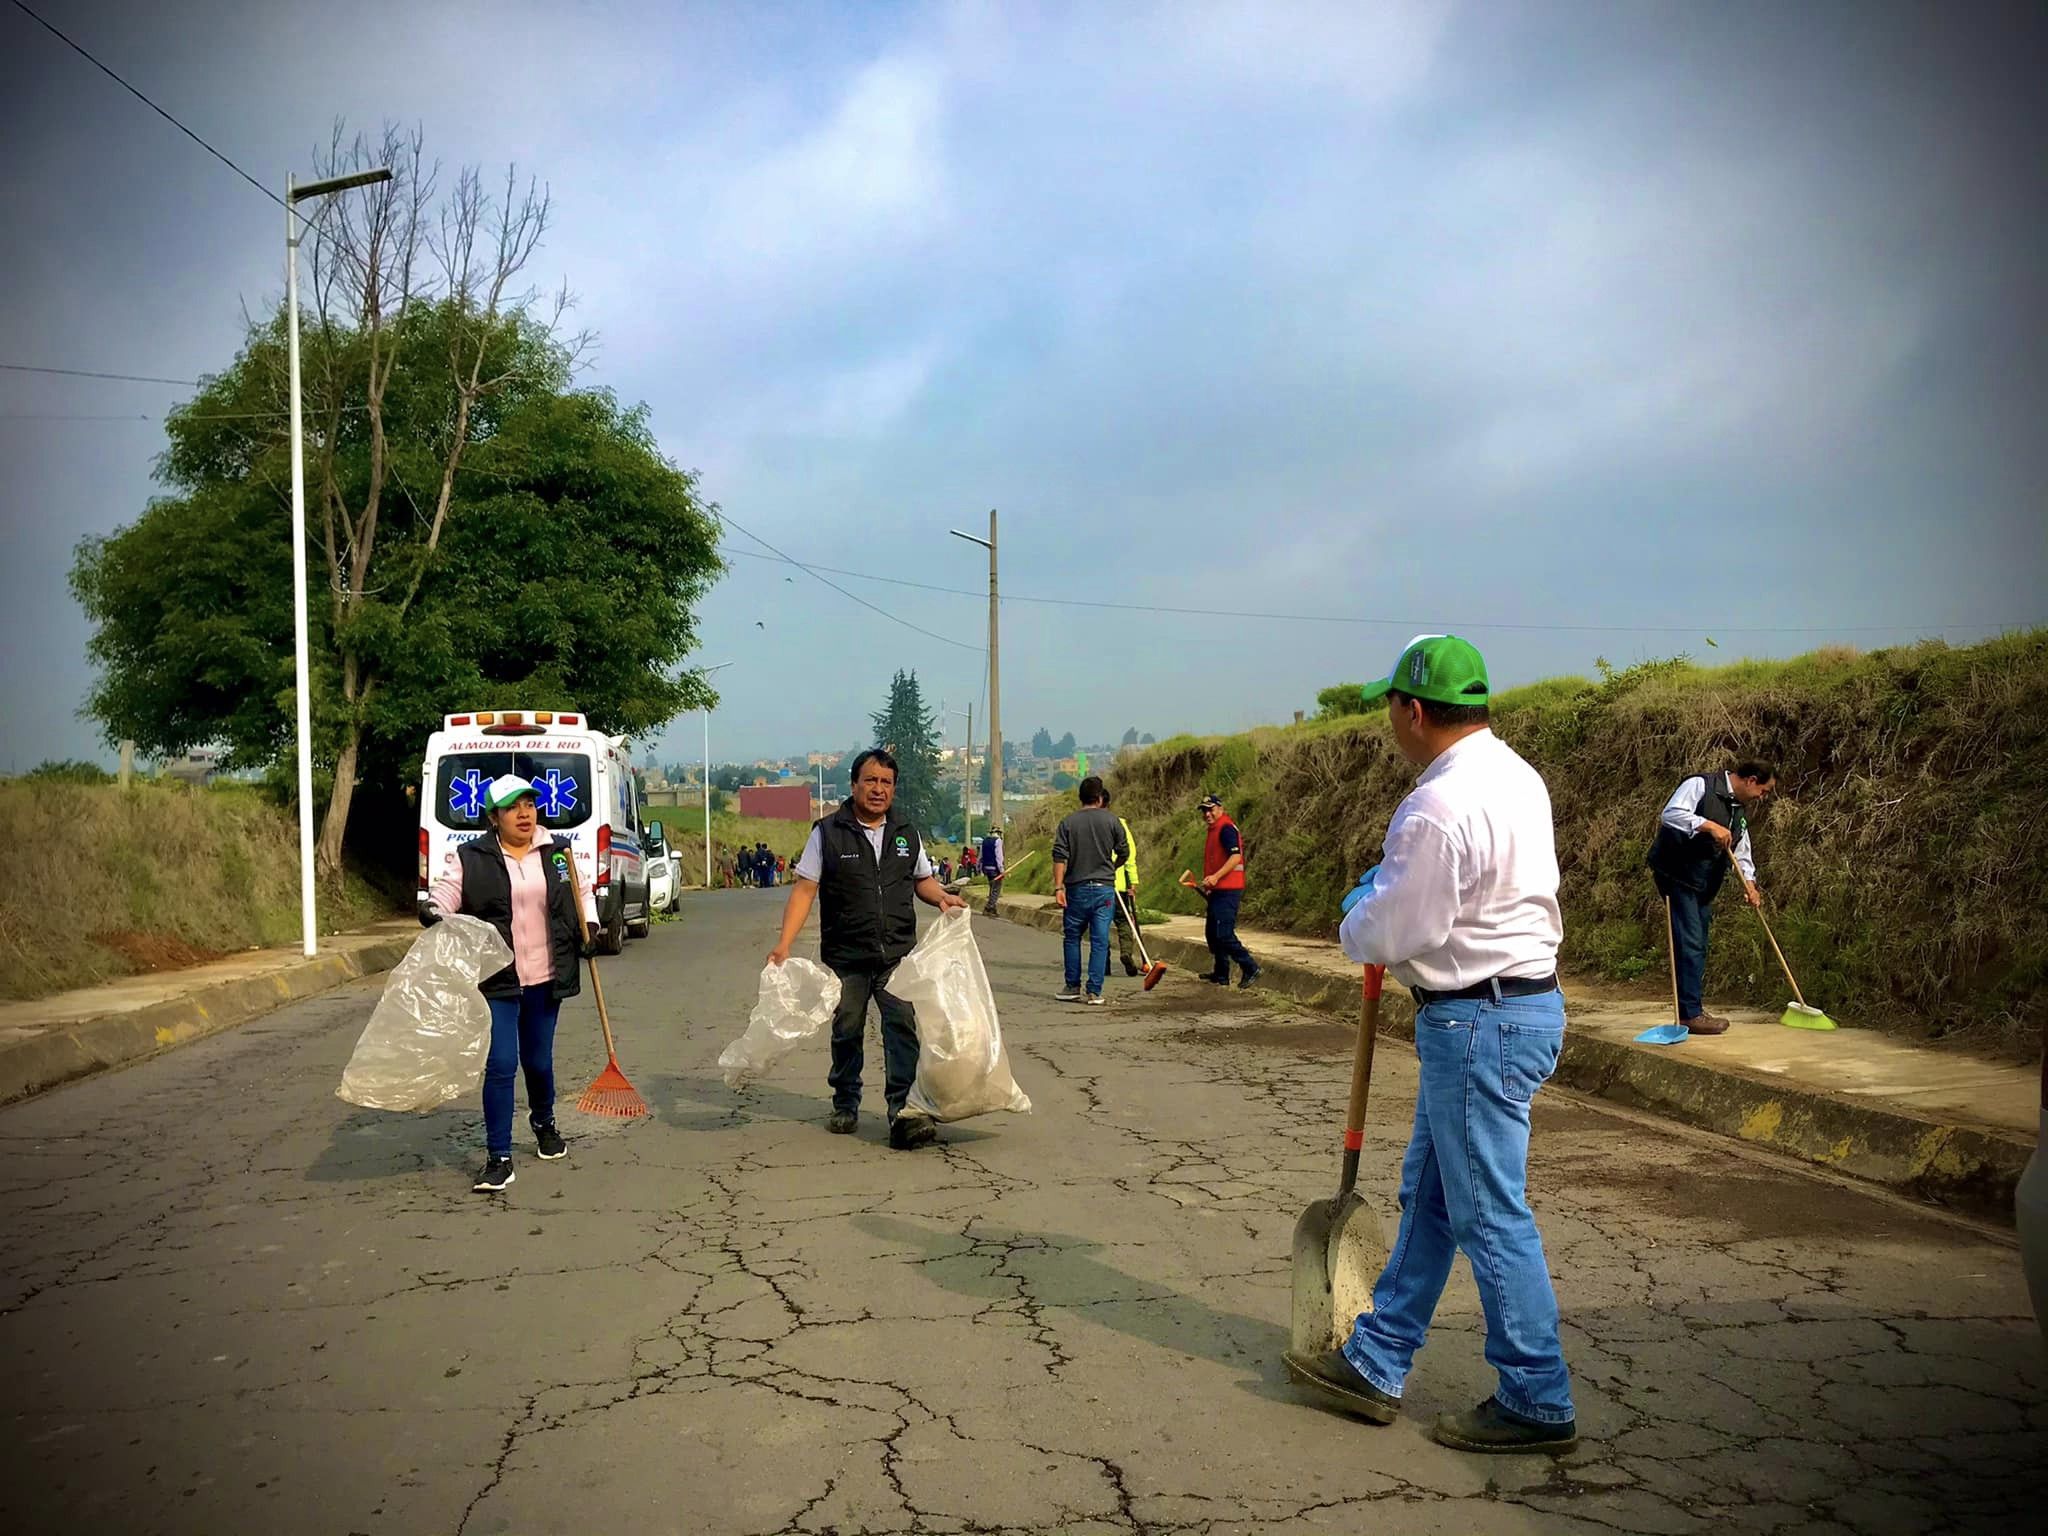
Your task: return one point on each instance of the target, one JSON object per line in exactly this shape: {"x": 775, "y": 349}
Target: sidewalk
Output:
{"x": 1929, "y": 1123}
{"x": 51, "y": 1040}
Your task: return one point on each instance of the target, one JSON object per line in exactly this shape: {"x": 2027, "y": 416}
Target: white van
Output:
{"x": 585, "y": 782}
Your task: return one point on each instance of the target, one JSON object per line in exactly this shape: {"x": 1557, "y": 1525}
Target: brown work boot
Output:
{"x": 1705, "y": 1024}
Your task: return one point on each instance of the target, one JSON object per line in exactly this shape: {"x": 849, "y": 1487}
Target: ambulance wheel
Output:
{"x": 611, "y": 938}
{"x": 645, "y": 926}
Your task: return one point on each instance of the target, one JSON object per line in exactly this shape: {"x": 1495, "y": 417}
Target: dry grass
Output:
{"x": 159, "y": 873}
{"x": 1902, "y": 860}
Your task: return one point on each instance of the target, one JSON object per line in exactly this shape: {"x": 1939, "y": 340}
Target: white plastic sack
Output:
{"x": 427, "y": 1039}
{"x": 962, "y": 1068}
{"x": 796, "y": 1001}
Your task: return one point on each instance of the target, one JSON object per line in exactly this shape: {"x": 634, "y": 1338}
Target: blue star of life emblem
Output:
{"x": 466, "y": 796}
{"x": 556, "y": 795}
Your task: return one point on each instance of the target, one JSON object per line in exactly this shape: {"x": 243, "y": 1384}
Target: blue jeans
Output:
{"x": 1220, "y": 929}
{"x": 522, "y": 1034}
{"x": 1692, "y": 919}
{"x": 858, "y": 984}
{"x": 1087, "y": 908}
{"x": 1462, "y": 1188}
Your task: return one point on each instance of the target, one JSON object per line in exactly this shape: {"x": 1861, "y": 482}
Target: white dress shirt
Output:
{"x": 1682, "y": 814}
{"x": 1467, "y": 883}
{"x": 810, "y": 864}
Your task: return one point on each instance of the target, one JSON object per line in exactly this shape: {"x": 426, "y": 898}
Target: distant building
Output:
{"x": 776, "y": 802}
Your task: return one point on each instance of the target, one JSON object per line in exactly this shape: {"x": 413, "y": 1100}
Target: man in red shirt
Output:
{"x": 1223, "y": 888}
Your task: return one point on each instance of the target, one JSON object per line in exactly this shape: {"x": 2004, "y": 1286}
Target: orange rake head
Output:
{"x": 612, "y": 1095}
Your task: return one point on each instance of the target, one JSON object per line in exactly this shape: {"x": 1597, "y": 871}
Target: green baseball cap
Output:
{"x": 1440, "y": 668}
{"x": 507, "y": 789}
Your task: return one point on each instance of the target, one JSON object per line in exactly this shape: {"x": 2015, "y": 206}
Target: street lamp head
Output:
{"x": 970, "y": 538}
{"x": 340, "y": 183}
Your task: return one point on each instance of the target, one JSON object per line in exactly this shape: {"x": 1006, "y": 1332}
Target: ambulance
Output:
{"x": 584, "y": 781}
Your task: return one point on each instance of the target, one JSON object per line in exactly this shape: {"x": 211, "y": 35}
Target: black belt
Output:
{"x": 1489, "y": 991}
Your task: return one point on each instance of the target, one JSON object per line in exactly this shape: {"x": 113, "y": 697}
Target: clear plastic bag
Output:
{"x": 962, "y": 1068}
{"x": 427, "y": 1039}
{"x": 796, "y": 1001}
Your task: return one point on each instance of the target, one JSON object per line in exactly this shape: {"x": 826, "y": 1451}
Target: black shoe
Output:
{"x": 909, "y": 1132}
{"x": 1338, "y": 1380}
{"x": 1491, "y": 1429}
{"x": 1251, "y": 974}
{"x": 842, "y": 1122}
{"x": 1131, "y": 968}
{"x": 494, "y": 1176}
{"x": 1221, "y": 981}
{"x": 551, "y": 1144}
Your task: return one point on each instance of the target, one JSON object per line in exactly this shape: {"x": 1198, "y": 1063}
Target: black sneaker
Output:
{"x": 909, "y": 1132}
{"x": 1130, "y": 967}
{"x": 842, "y": 1122}
{"x": 494, "y": 1176}
{"x": 550, "y": 1140}
{"x": 1338, "y": 1380}
{"x": 1251, "y": 974}
{"x": 1221, "y": 981}
{"x": 1491, "y": 1430}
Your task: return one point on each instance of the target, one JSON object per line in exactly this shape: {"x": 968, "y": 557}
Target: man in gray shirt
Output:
{"x": 1086, "y": 851}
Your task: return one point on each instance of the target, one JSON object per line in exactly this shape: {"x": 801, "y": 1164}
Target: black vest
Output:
{"x": 1697, "y": 863}
{"x": 487, "y": 893}
{"x": 867, "y": 911}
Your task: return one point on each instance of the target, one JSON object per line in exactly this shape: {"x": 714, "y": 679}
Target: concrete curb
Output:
{"x": 1970, "y": 1168}
{"x": 66, "y": 1052}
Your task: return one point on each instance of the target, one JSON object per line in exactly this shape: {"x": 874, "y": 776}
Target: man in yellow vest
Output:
{"x": 1124, "y": 913}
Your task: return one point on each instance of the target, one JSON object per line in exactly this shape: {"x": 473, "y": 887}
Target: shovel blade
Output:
{"x": 1340, "y": 1247}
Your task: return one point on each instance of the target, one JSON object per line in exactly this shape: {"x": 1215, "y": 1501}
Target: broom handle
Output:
{"x": 1790, "y": 980}
{"x": 1131, "y": 912}
{"x": 1671, "y": 949}
{"x": 1361, "y": 1077}
{"x": 603, "y": 1019}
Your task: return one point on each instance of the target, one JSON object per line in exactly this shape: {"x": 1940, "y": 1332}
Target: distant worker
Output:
{"x": 992, "y": 866}
{"x": 1222, "y": 888}
{"x": 865, "y": 864}
{"x": 1462, "y": 910}
{"x": 1123, "y": 911}
{"x": 1086, "y": 851}
{"x": 764, "y": 865}
{"x": 1702, "y": 824}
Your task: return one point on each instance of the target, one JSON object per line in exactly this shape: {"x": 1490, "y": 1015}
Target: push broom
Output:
{"x": 610, "y": 1094}
{"x": 1797, "y": 1014}
{"x": 1154, "y": 969}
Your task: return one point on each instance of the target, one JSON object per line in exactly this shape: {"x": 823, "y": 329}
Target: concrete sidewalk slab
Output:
{"x": 1934, "y": 1124}
{"x": 50, "y": 1040}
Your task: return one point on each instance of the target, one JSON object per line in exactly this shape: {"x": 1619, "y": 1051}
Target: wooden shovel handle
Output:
{"x": 596, "y": 986}
{"x": 1361, "y": 1075}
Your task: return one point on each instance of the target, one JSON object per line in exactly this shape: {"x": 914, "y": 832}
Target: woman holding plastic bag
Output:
{"x": 516, "y": 877}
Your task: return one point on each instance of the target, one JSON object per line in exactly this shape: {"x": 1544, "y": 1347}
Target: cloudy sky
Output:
{"x": 1582, "y": 329}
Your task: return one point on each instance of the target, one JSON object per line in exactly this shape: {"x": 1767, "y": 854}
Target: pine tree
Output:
{"x": 911, "y": 733}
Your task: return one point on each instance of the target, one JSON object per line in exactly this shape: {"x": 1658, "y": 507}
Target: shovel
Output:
{"x": 1340, "y": 1244}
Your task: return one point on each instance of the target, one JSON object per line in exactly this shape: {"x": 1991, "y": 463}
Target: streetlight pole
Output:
{"x": 995, "y": 676}
{"x": 707, "y": 778}
{"x": 967, "y": 780}
{"x": 301, "y": 643}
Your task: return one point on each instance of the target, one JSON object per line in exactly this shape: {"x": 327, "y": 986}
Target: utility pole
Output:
{"x": 967, "y": 784}
{"x": 995, "y": 676}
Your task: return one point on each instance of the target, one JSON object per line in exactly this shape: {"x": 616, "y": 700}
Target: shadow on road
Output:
{"x": 374, "y": 1144}
{"x": 1003, "y": 1261}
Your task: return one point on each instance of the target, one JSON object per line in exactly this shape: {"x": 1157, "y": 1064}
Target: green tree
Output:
{"x": 1064, "y": 781}
{"x": 479, "y": 532}
{"x": 1066, "y": 746}
{"x": 1130, "y": 737}
{"x": 910, "y": 731}
{"x": 1041, "y": 742}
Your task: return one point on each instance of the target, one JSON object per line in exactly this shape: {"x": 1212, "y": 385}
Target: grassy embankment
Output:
{"x": 107, "y": 882}
{"x": 1902, "y": 862}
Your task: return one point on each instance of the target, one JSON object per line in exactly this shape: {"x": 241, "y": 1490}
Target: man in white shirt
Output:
{"x": 1462, "y": 909}
{"x": 1703, "y": 825}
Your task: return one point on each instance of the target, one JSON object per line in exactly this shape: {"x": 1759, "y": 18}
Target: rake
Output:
{"x": 610, "y": 1094}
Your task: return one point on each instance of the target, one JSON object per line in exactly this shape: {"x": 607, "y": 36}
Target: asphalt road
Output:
{"x": 235, "y": 1304}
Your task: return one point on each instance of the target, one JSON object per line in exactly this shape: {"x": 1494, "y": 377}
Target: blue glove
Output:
{"x": 1357, "y": 893}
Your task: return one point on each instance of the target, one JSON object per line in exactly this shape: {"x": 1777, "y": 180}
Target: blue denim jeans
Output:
{"x": 1087, "y": 908}
{"x": 1692, "y": 919}
{"x": 1220, "y": 929}
{"x": 1463, "y": 1188}
{"x": 858, "y": 985}
{"x": 522, "y": 1034}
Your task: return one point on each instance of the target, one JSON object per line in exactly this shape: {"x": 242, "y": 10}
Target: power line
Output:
{"x": 856, "y": 597}
{"x": 86, "y": 373}
{"x": 1408, "y": 624}
{"x": 159, "y": 111}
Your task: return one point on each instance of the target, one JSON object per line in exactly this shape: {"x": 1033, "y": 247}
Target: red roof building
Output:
{"x": 776, "y": 802}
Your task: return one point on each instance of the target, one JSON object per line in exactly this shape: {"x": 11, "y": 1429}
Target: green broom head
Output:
{"x": 1799, "y": 1016}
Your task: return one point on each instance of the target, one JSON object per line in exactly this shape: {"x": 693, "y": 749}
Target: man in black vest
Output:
{"x": 866, "y": 863}
{"x": 1702, "y": 824}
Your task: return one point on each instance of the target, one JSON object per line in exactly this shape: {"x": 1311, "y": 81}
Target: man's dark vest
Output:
{"x": 1696, "y": 862}
{"x": 487, "y": 893}
{"x": 867, "y": 914}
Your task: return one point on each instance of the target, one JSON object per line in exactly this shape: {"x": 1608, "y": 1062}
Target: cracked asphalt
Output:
{"x": 235, "y": 1304}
